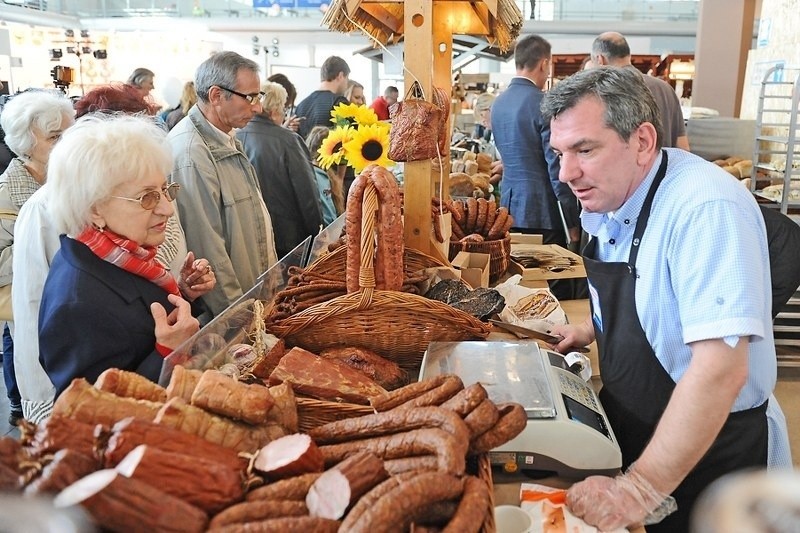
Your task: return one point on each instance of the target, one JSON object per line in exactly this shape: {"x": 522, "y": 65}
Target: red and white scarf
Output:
{"x": 129, "y": 256}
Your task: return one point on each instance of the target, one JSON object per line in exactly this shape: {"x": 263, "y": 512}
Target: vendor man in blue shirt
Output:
{"x": 679, "y": 285}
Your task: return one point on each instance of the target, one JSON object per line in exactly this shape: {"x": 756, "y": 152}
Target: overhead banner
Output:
{"x": 291, "y": 4}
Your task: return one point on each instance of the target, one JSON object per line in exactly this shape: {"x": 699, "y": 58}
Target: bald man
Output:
{"x": 611, "y": 49}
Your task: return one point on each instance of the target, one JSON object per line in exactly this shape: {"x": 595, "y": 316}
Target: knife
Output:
{"x": 534, "y": 334}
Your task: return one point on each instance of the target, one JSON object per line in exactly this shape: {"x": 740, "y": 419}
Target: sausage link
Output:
{"x": 466, "y": 400}
{"x": 480, "y": 221}
{"x": 482, "y": 418}
{"x": 472, "y": 215}
{"x": 491, "y": 215}
{"x": 397, "y": 397}
{"x": 499, "y": 223}
{"x": 293, "y": 488}
{"x": 449, "y": 388}
{"x": 399, "y": 504}
{"x": 386, "y": 423}
{"x": 353, "y": 230}
{"x": 450, "y": 452}
{"x": 511, "y": 423}
{"x": 369, "y": 499}
{"x": 472, "y": 509}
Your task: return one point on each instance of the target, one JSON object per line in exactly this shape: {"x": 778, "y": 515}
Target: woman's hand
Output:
{"x": 196, "y": 277}
{"x": 173, "y": 329}
{"x": 292, "y": 122}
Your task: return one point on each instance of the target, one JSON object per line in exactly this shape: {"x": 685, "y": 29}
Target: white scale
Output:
{"x": 568, "y": 433}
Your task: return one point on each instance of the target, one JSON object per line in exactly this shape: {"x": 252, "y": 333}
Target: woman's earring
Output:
{"x": 99, "y": 228}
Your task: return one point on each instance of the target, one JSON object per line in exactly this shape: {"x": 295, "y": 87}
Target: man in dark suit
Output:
{"x": 530, "y": 188}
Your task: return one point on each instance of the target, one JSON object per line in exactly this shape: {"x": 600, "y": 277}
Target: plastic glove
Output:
{"x": 611, "y": 503}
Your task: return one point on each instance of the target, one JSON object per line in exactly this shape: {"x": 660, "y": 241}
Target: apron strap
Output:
{"x": 644, "y": 214}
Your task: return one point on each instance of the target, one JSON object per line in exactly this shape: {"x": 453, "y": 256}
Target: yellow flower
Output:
{"x": 331, "y": 151}
{"x": 368, "y": 145}
{"x": 353, "y": 115}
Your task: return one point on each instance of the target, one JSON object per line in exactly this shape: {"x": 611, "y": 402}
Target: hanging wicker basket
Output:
{"x": 499, "y": 252}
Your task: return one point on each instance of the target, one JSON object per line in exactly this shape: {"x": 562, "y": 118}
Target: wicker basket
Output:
{"x": 498, "y": 250}
{"x": 397, "y": 325}
{"x": 334, "y": 264}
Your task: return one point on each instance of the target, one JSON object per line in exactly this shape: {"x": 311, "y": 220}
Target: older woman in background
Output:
{"x": 283, "y": 167}
{"x": 113, "y": 98}
{"x": 142, "y": 80}
{"x": 33, "y": 122}
{"x": 188, "y": 99}
{"x": 107, "y": 301}
{"x": 329, "y": 182}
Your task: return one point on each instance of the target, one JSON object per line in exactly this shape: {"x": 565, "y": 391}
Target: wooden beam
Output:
{"x": 460, "y": 18}
{"x": 384, "y": 17}
{"x": 352, "y": 5}
{"x": 419, "y": 28}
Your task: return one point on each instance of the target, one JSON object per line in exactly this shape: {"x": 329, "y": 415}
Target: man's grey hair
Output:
{"x": 221, "y": 69}
{"x": 628, "y": 101}
{"x": 611, "y": 46}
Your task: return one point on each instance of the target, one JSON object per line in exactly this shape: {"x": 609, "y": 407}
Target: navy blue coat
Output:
{"x": 95, "y": 316}
{"x": 530, "y": 188}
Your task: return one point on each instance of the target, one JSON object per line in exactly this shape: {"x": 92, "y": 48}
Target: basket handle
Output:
{"x": 366, "y": 271}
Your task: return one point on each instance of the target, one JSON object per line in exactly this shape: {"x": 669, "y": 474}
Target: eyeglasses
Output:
{"x": 253, "y": 99}
{"x": 150, "y": 199}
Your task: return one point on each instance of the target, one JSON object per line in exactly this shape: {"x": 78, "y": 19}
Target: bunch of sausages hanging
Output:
{"x": 388, "y": 239}
{"x": 478, "y": 220}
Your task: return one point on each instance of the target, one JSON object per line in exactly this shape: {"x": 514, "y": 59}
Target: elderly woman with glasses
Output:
{"x": 107, "y": 301}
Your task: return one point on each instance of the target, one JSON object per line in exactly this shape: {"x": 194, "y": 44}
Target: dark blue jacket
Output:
{"x": 530, "y": 188}
{"x": 95, "y": 316}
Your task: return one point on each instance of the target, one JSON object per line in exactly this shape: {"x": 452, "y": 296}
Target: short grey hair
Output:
{"x": 45, "y": 111}
{"x": 274, "y": 97}
{"x": 628, "y": 101}
{"x": 139, "y": 76}
{"x": 95, "y": 156}
{"x": 221, "y": 69}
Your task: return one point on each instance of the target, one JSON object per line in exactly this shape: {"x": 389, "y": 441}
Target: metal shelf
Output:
{"x": 778, "y": 84}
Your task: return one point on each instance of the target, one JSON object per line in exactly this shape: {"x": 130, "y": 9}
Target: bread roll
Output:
{"x": 745, "y": 168}
{"x": 733, "y": 160}
{"x": 461, "y": 185}
{"x": 471, "y": 167}
{"x": 733, "y": 171}
{"x": 484, "y": 163}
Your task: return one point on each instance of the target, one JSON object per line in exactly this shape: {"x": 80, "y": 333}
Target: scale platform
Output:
{"x": 568, "y": 433}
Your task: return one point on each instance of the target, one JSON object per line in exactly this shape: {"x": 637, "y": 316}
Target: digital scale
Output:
{"x": 568, "y": 433}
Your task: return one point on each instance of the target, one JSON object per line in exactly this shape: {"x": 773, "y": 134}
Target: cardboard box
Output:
{"x": 575, "y": 270}
{"x": 474, "y": 268}
{"x": 525, "y": 238}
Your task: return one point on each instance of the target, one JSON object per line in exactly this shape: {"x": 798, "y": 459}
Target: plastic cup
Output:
{"x": 512, "y": 519}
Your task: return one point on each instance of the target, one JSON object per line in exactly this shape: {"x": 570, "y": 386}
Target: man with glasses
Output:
{"x": 316, "y": 107}
{"x": 220, "y": 205}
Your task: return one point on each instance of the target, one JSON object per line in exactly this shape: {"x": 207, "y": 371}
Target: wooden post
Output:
{"x": 417, "y": 190}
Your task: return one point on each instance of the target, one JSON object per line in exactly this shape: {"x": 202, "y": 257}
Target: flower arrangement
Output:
{"x": 358, "y": 138}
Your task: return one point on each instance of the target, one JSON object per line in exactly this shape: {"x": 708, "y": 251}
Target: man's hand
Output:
{"x": 612, "y": 503}
{"x": 572, "y": 335}
{"x": 497, "y": 172}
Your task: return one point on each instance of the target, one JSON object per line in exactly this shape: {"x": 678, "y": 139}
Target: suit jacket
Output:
{"x": 95, "y": 316}
{"x": 530, "y": 188}
{"x": 283, "y": 167}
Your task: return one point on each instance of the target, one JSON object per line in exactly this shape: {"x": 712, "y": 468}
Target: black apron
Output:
{"x": 636, "y": 388}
